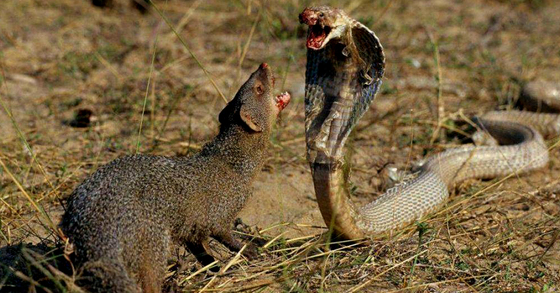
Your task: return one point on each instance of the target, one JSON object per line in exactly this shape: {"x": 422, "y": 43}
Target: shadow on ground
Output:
{"x": 35, "y": 268}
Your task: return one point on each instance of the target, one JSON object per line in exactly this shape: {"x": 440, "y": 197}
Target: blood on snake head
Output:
{"x": 325, "y": 23}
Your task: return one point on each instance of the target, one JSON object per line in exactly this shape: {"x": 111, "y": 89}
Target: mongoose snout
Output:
{"x": 123, "y": 218}
{"x": 282, "y": 100}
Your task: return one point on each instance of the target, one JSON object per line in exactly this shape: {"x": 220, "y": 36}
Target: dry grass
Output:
{"x": 446, "y": 61}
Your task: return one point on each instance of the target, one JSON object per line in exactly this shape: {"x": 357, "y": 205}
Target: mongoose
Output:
{"x": 122, "y": 219}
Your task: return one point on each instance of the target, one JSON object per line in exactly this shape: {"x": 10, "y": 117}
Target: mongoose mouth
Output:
{"x": 282, "y": 100}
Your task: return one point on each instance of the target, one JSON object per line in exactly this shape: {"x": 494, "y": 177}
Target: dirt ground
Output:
{"x": 61, "y": 60}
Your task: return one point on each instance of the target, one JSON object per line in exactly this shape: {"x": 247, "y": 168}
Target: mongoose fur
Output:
{"x": 122, "y": 219}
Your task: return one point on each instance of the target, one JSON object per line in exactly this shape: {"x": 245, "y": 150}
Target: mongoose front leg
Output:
{"x": 199, "y": 251}
{"x": 226, "y": 238}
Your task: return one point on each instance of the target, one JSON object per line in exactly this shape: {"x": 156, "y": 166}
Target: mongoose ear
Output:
{"x": 246, "y": 117}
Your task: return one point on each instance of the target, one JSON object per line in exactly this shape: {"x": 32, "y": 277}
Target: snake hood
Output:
{"x": 341, "y": 81}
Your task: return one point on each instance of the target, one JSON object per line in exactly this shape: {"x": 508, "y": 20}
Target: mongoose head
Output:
{"x": 325, "y": 23}
{"x": 254, "y": 107}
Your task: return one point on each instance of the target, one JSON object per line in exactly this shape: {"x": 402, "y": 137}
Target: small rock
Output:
{"x": 82, "y": 119}
{"x": 541, "y": 96}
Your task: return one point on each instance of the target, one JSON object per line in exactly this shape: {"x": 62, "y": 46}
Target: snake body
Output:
{"x": 345, "y": 65}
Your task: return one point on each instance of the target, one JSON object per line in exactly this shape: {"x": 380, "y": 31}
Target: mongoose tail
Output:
{"x": 106, "y": 275}
{"x": 124, "y": 217}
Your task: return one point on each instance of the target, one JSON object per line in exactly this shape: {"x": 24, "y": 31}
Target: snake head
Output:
{"x": 325, "y": 23}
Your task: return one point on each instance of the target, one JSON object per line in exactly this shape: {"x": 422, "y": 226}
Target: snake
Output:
{"x": 344, "y": 72}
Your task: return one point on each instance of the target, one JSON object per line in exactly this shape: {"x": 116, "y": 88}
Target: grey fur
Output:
{"x": 123, "y": 218}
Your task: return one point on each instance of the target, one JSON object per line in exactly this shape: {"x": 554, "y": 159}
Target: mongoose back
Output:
{"x": 122, "y": 219}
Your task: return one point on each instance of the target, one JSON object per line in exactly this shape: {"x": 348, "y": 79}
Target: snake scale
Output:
{"x": 345, "y": 66}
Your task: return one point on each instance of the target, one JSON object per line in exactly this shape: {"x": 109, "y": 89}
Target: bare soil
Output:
{"x": 146, "y": 93}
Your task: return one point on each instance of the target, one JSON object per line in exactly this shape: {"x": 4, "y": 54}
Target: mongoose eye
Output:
{"x": 321, "y": 14}
{"x": 260, "y": 89}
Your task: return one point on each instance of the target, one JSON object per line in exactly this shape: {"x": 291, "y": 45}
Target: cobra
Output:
{"x": 345, "y": 66}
